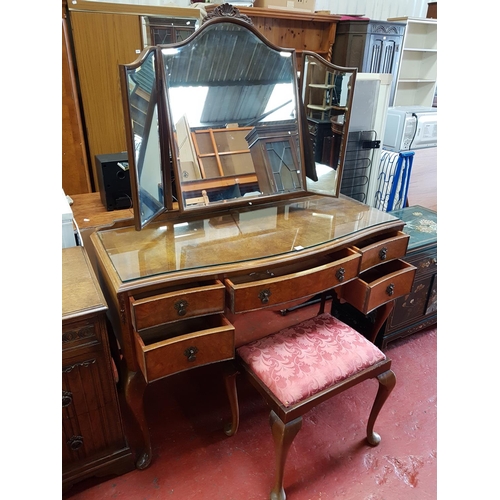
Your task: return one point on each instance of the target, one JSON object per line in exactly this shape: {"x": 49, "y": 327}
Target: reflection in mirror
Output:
{"x": 327, "y": 92}
{"x": 232, "y": 102}
{"x": 140, "y": 82}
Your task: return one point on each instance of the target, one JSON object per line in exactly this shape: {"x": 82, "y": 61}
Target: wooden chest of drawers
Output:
{"x": 93, "y": 438}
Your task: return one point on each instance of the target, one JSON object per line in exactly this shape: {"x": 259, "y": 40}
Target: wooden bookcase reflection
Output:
{"x": 216, "y": 164}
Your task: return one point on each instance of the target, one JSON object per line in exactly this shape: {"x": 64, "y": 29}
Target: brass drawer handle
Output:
{"x": 383, "y": 253}
{"x": 190, "y": 353}
{"x": 390, "y": 290}
{"x": 340, "y": 274}
{"x": 75, "y": 442}
{"x": 67, "y": 398}
{"x": 264, "y": 296}
{"x": 181, "y": 307}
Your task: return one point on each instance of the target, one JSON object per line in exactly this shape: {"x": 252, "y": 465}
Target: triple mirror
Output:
{"x": 219, "y": 120}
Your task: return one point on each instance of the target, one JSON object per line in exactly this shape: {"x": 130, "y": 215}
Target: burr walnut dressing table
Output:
{"x": 208, "y": 241}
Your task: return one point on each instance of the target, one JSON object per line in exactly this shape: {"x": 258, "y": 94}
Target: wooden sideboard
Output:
{"x": 94, "y": 442}
{"x": 174, "y": 287}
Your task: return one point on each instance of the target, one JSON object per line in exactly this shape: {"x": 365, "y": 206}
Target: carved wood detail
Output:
{"x": 82, "y": 333}
{"x": 84, "y": 364}
{"x": 227, "y": 10}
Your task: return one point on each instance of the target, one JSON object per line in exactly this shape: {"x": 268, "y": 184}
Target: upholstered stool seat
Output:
{"x": 302, "y": 360}
{"x": 303, "y": 365}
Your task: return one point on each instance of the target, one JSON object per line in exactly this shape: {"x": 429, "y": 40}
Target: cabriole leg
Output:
{"x": 283, "y": 435}
{"x": 134, "y": 388}
{"x": 232, "y": 394}
{"x": 387, "y": 381}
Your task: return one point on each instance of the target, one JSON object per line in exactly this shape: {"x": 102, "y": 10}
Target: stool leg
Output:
{"x": 283, "y": 435}
{"x": 230, "y": 383}
{"x": 386, "y": 381}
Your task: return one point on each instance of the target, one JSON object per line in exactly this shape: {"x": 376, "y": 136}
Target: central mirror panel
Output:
{"x": 233, "y": 113}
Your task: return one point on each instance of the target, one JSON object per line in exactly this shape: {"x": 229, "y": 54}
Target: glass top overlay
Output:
{"x": 237, "y": 235}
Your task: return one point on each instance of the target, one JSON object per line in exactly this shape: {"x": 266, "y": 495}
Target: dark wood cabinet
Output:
{"x": 371, "y": 46}
{"x": 93, "y": 439}
{"x": 418, "y": 309}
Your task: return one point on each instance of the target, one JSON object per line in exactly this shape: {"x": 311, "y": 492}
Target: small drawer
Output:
{"x": 379, "y": 250}
{"x": 379, "y": 285}
{"x": 82, "y": 334}
{"x": 179, "y": 304}
{"x": 211, "y": 339}
{"x": 285, "y": 284}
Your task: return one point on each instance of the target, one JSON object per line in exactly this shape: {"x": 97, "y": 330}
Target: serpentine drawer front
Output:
{"x": 184, "y": 345}
{"x": 379, "y": 285}
{"x": 286, "y": 283}
{"x": 184, "y": 302}
{"x": 379, "y": 250}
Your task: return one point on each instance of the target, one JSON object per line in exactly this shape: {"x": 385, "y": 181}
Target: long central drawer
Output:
{"x": 285, "y": 284}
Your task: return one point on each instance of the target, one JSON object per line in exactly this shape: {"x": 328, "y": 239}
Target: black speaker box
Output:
{"x": 114, "y": 181}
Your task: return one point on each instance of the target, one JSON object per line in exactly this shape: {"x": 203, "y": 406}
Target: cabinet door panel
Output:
{"x": 412, "y": 306}
{"x": 86, "y": 384}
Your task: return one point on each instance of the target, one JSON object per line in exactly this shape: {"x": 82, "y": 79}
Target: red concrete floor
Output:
{"x": 193, "y": 459}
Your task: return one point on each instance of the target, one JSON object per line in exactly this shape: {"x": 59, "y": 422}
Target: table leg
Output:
{"x": 134, "y": 388}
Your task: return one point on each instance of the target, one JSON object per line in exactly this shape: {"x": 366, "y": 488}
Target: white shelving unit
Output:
{"x": 417, "y": 75}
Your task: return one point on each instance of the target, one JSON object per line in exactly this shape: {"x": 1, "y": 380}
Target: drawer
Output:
{"x": 250, "y": 292}
{"x": 424, "y": 260}
{"x": 184, "y": 302}
{"x": 379, "y": 285}
{"x": 91, "y": 435}
{"x": 383, "y": 249}
{"x": 82, "y": 334}
{"x": 210, "y": 339}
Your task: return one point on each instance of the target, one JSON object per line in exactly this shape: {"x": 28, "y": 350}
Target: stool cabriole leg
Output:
{"x": 283, "y": 435}
{"x": 387, "y": 381}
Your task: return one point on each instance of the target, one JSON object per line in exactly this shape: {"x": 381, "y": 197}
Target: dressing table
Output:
{"x": 231, "y": 222}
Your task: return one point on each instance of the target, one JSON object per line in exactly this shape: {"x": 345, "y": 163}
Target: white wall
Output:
{"x": 375, "y": 9}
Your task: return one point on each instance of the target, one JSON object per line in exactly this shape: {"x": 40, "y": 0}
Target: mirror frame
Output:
{"x": 346, "y": 120}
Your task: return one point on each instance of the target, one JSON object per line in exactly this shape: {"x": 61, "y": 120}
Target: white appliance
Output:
{"x": 410, "y": 127}
{"x": 68, "y": 232}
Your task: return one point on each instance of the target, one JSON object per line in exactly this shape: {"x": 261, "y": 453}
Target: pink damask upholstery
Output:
{"x": 299, "y": 361}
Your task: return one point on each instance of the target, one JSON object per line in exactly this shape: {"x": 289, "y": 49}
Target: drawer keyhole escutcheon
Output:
{"x": 67, "y": 398}
{"x": 75, "y": 442}
{"x": 181, "y": 307}
{"x": 340, "y": 274}
{"x": 383, "y": 253}
{"x": 264, "y": 296}
{"x": 190, "y": 353}
{"x": 390, "y": 289}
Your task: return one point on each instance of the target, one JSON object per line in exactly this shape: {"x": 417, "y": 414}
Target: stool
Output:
{"x": 303, "y": 365}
